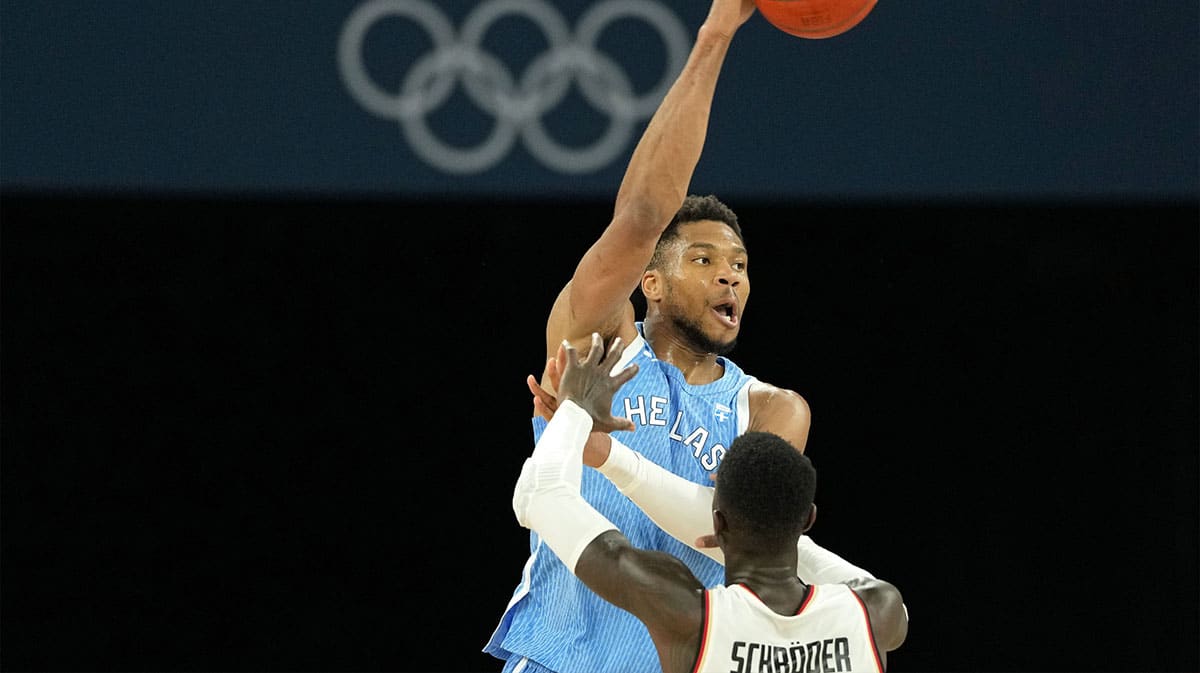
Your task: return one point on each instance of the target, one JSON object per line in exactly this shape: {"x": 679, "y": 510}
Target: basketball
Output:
{"x": 814, "y": 19}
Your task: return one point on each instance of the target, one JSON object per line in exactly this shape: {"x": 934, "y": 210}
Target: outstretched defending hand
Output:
{"x": 589, "y": 384}
{"x": 545, "y": 403}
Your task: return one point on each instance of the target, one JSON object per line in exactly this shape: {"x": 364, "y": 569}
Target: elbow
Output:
{"x": 899, "y": 633}
{"x": 642, "y": 215}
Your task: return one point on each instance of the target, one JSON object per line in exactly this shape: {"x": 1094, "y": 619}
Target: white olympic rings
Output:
{"x": 516, "y": 104}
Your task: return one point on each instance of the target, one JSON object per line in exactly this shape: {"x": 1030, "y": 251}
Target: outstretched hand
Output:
{"x": 545, "y": 403}
{"x": 589, "y": 383}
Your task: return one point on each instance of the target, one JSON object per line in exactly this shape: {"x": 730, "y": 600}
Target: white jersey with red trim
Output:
{"x": 830, "y": 633}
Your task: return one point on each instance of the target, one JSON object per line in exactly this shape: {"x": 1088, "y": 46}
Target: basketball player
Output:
{"x": 688, "y": 402}
{"x": 763, "y": 617}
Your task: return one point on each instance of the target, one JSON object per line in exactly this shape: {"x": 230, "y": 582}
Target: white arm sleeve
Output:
{"x": 680, "y": 507}
{"x": 546, "y": 498}
{"x": 684, "y": 510}
{"x": 817, "y": 565}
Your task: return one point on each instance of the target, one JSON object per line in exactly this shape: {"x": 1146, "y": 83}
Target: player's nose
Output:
{"x": 727, "y": 274}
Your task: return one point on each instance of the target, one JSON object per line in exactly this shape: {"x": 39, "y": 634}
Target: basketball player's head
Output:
{"x": 763, "y": 498}
{"x": 697, "y": 282}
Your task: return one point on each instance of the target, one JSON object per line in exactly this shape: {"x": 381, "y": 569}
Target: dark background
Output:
{"x": 254, "y": 434}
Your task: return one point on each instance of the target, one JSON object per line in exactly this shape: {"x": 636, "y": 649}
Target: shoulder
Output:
{"x": 782, "y": 411}
{"x": 885, "y": 607}
{"x": 771, "y": 394}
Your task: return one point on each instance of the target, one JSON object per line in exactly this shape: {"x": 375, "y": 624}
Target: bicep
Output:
{"x": 654, "y": 586}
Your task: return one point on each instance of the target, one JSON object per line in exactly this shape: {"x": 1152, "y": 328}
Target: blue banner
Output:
{"x": 531, "y": 99}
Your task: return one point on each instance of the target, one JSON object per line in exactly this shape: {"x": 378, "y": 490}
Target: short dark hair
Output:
{"x": 695, "y": 208}
{"x": 765, "y": 487}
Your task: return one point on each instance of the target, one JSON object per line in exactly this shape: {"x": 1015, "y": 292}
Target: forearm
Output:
{"x": 817, "y": 565}
{"x": 684, "y": 510}
{"x": 680, "y": 507}
{"x": 546, "y": 499}
{"x": 660, "y": 169}
{"x": 654, "y": 187}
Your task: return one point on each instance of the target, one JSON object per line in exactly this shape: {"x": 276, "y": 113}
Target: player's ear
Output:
{"x": 720, "y": 525}
{"x": 812, "y": 517}
{"x": 651, "y": 286}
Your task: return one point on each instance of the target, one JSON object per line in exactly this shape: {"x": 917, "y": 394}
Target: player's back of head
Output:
{"x": 765, "y": 489}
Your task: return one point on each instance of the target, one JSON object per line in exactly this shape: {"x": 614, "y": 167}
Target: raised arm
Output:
{"x": 654, "y": 186}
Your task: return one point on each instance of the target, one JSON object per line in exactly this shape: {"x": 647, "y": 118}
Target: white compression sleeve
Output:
{"x": 680, "y": 507}
{"x": 817, "y": 565}
{"x": 546, "y": 498}
{"x": 684, "y": 510}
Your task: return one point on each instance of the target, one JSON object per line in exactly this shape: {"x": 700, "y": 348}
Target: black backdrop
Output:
{"x": 281, "y": 435}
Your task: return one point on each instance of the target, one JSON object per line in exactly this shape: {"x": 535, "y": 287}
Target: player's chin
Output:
{"x": 722, "y": 341}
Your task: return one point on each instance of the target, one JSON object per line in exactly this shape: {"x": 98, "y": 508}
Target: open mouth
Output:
{"x": 727, "y": 312}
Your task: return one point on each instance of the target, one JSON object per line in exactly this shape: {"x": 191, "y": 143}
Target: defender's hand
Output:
{"x": 545, "y": 403}
{"x": 589, "y": 384}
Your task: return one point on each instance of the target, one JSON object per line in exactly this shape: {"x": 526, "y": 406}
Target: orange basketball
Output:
{"x": 814, "y": 19}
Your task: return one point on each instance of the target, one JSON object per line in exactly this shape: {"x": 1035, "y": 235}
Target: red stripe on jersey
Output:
{"x": 812, "y": 591}
{"x": 870, "y": 630}
{"x": 703, "y": 634}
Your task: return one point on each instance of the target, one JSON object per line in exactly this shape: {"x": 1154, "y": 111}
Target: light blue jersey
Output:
{"x": 553, "y": 618}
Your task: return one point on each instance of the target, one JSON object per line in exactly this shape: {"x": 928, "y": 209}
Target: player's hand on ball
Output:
{"x": 727, "y": 16}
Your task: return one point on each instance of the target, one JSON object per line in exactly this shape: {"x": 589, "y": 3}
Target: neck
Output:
{"x": 698, "y": 367}
{"x": 774, "y": 582}
{"x": 774, "y": 573}
{"x": 764, "y": 567}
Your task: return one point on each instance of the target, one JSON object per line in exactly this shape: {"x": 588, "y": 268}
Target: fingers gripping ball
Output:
{"x": 814, "y": 19}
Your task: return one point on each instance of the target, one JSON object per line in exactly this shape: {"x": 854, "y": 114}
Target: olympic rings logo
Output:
{"x": 517, "y": 104}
